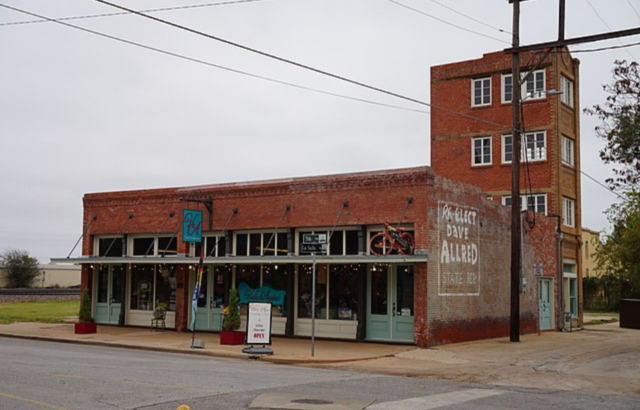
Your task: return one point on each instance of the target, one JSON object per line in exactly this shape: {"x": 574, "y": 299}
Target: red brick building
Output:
{"x": 452, "y": 284}
{"x": 479, "y": 153}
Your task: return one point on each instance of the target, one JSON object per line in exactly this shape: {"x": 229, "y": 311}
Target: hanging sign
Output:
{"x": 259, "y": 323}
{"x": 191, "y": 226}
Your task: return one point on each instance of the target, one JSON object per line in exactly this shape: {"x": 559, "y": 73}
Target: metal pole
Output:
{"x": 515, "y": 181}
{"x": 313, "y": 305}
{"x": 561, "y": 15}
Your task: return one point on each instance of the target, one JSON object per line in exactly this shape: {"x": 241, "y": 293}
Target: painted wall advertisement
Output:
{"x": 458, "y": 245}
{"x": 259, "y": 323}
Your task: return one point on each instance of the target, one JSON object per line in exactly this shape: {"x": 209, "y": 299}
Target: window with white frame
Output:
{"x": 534, "y": 144}
{"x": 481, "y": 91}
{"x": 507, "y": 148}
{"x": 567, "y": 151}
{"x": 260, "y": 243}
{"x": 533, "y": 88}
{"x": 215, "y": 246}
{"x": 507, "y": 88}
{"x": 535, "y": 202}
{"x": 153, "y": 245}
{"x": 568, "y": 212}
{"x": 109, "y": 246}
{"x": 566, "y": 87}
{"x": 340, "y": 242}
{"x": 481, "y": 148}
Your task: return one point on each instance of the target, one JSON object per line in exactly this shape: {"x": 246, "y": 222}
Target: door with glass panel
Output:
{"x": 211, "y": 298}
{"x": 544, "y": 301}
{"x": 390, "y": 303}
{"x": 108, "y": 281}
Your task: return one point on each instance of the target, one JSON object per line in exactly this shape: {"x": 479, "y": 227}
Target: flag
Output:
{"x": 196, "y": 291}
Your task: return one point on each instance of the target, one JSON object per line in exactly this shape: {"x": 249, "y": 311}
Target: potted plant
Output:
{"x": 231, "y": 322}
{"x": 85, "y": 323}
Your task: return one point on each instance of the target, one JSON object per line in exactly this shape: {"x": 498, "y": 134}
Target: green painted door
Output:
{"x": 109, "y": 282}
{"x": 544, "y": 301}
{"x": 209, "y": 315}
{"x": 390, "y": 303}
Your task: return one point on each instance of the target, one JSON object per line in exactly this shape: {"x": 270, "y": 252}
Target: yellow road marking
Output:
{"x": 51, "y": 406}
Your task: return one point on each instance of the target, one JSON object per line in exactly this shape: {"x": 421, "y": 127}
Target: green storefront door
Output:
{"x": 544, "y": 301}
{"x": 109, "y": 282}
{"x": 209, "y": 316}
{"x": 390, "y": 303}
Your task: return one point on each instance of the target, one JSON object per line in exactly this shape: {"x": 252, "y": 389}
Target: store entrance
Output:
{"x": 211, "y": 298}
{"x": 109, "y": 280}
{"x": 544, "y": 300}
{"x": 390, "y": 303}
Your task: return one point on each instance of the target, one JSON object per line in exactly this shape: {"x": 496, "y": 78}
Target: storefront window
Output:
{"x": 143, "y": 246}
{"x": 242, "y": 242}
{"x": 103, "y": 284}
{"x": 343, "y": 291}
{"x": 305, "y": 274}
{"x": 255, "y": 244}
{"x": 166, "y": 287}
{"x": 110, "y": 247}
{"x": 214, "y": 250}
{"x": 168, "y": 246}
{"x": 404, "y": 289}
{"x": 142, "y": 287}
{"x": 249, "y": 274}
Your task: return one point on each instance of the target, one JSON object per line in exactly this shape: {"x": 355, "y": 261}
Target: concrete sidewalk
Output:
{"x": 603, "y": 358}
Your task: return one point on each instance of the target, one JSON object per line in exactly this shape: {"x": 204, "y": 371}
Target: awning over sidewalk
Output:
{"x": 244, "y": 260}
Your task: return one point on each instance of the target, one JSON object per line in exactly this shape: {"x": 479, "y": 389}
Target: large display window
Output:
{"x": 336, "y": 291}
{"x": 153, "y": 286}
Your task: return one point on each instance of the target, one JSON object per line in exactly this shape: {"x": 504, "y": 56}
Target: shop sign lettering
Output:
{"x": 259, "y": 323}
{"x": 458, "y": 247}
{"x": 263, "y": 294}
{"x": 191, "y": 226}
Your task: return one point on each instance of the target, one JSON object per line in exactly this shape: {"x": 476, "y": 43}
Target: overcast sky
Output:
{"x": 81, "y": 113}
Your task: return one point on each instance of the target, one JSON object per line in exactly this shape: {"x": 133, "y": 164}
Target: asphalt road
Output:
{"x": 37, "y": 375}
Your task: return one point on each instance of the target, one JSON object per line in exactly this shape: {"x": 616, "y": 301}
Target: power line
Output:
{"x": 609, "y": 27}
{"x": 443, "y": 21}
{"x": 304, "y": 66}
{"x": 600, "y": 49}
{"x": 634, "y": 8}
{"x": 91, "y": 16}
{"x": 601, "y": 184}
{"x": 470, "y": 18}
{"x": 195, "y": 60}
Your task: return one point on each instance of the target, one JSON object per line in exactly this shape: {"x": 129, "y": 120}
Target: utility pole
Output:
{"x": 514, "y": 333}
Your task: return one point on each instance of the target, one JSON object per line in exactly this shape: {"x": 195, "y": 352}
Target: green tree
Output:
{"x": 619, "y": 253}
{"x": 231, "y": 320}
{"x": 20, "y": 268}
{"x": 620, "y": 127}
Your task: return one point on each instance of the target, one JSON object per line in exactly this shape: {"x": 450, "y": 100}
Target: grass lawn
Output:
{"x": 44, "y": 312}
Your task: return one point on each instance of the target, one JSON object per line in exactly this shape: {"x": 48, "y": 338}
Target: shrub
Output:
{"x": 231, "y": 321}
{"x": 85, "y": 308}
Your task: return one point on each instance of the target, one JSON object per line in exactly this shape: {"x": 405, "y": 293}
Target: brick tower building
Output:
{"x": 480, "y": 153}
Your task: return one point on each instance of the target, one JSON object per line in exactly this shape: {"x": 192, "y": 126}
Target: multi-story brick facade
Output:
{"x": 477, "y": 148}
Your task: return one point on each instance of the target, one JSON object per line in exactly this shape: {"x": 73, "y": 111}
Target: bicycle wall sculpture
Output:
{"x": 392, "y": 241}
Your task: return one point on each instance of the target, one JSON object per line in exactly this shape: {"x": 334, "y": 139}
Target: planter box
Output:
{"x": 85, "y": 328}
{"x": 232, "y": 338}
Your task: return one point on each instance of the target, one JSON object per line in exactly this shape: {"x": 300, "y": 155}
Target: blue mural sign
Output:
{"x": 191, "y": 226}
{"x": 264, "y": 294}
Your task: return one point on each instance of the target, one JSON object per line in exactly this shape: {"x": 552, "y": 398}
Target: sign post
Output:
{"x": 313, "y": 243}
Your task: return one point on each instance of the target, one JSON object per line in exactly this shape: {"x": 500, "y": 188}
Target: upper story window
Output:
{"x": 153, "y": 246}
{"x": 568, "y": 149}
{"x": 261, "y": 243}
{"x": 532, "y": 89}
{"x": 507, "y": 88}
{"x": 566, "y": 87}
{"x": 481, "y": 151}
{"x": 534, "y": 144}
{"x": 215, "y": 246}
{"x": 481, "y": 91}
{"x": 568, "y": 212}
{"x": 109, "y": 246}
{"x": 535, "y": 202}
{"x": 341, "y": 242}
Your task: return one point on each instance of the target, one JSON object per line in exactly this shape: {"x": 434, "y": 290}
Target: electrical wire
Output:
{"x": 634, "y": 8}
{"x": 607, "y": 25}
{"x": 221, "y": 67}
{"x": 470, "y": 18}
{"x": 304, "y": 66}
{"x": 601, "y": 184}
{"x": 444, "y": 21}
{"x": 91, "y": 16}
{"x": 591, "y": 50}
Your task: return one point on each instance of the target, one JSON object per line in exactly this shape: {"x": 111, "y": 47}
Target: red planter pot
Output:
{"x": 232, "y": 338}
{"x": 85, "y": 328}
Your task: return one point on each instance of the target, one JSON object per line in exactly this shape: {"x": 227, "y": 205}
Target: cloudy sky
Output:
{"x": 83, "y": 113}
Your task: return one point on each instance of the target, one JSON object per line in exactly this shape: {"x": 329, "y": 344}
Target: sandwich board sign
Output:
{"x": 259, "y": 323}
